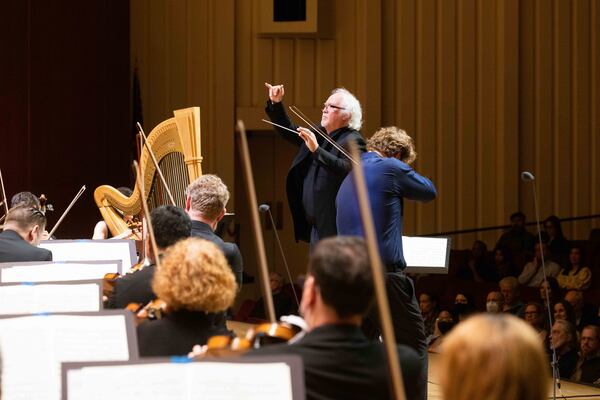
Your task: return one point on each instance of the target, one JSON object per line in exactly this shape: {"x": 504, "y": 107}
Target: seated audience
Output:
{"x": 494, "y": 302}
{"x": 428, "y": 304}
{"x": 563, "y": 310}
{"x": 533, "y": 274}
{"x": 194, "y": 280}
{"x": 171, "y": 224}
{"x": 557, "y": 242}
{"x": 463, "y": 307}
{"x": 534, "y": 316}
{"x": 575, "y": 275}
{"x": 509, "y": 287}
{"x": 205, "y": 203}
{"x": 503, "y": 264}
{"x": 283, "y": 301}
{"x": 554, "y": 294}
{"x": 443, "y": 324}
{"x": 564, "y": 341}
{"x": 493, "y": 357}
{"x": 588, "y": 365}
{"x": 23, "y": 230}
{"x": 478, "y": 267}
{"x": 339, "y": 361}
{"x": 585, "y": 313}
{"x": 518, "y": 239}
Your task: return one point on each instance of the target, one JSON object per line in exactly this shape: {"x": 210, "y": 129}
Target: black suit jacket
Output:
{"x": 13, "y": 248}
{"x": 176, "y": 333}
{"x": 231, "y": 251}
{"x": 333, "y": 168}
{"x": 133, "y": 288}
{"x": 340, "y": 363}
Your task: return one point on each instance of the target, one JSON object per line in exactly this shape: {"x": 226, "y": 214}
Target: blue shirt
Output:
{"x": 389, "y": 181}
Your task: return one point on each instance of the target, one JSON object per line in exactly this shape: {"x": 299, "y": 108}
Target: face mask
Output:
{"x": 492, "y": 306}
{"x": 445, "y": 326}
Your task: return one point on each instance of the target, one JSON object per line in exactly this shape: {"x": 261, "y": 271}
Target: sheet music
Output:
{"x": 425, "y": 251}
{"x": 34, "y": 346}
{"x": 57, "y": 271}
{"x": 189, "y": 381}
{"x": 91, "y": 250}
{"x": 32, "y": 299}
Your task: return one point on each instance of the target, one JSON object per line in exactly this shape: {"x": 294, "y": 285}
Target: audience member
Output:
{"x": 503, "y": 264}
{"x": 557, "y": 242}
{"x": 23, "y": 230}
{"x": 588, "y": 365}
{"x": 493, "y": 357}
{"x": 575, "y": 275}
{"x": 339, "y": 361}
{"x": 205, "y": 203}
{"x": 171, "y": 224}
{"x": 443, "y": 324}
{"x": 534, "y": 316}
{"x": 494, "y": 302}
{"x": 478, "y": 267}
{"x": 283, "y": 301}
{"x": 517, "y": 239}
{"x": 563, "y": 311}
{"x": 533, "y": 273}
{"x": 585, "y": 313}
{"x": 550, "y": 285}
{"x": 564, "y": 341}
{"x": 194, "y": 280}
{"x": 428, "y": 304}
{"x": 463, "y": 307}
{"x": 509, "y": 287}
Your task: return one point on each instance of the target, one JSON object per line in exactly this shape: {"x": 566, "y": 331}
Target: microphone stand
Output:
{"x": 529, "y": 177}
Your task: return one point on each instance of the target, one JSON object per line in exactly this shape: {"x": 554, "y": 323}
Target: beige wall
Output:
{"x": 487, "y": 88}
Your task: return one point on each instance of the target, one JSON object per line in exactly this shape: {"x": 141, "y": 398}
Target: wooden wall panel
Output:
{"x": 185, "y": 54}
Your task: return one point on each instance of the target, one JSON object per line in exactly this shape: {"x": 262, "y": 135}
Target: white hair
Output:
{"x": 351, "y": 108}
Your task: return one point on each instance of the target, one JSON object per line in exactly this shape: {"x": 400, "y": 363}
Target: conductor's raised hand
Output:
{"x": 276, "y": 92}
{"x": 309, "y": 139}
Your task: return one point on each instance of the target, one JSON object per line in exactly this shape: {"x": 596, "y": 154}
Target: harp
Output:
{"x": 176, "y": 146}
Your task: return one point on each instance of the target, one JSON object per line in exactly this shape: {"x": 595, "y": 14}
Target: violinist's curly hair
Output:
{"x": 393, "y": 142}
{"x": 194, "y": 275}
{"x": 209, "y": 195}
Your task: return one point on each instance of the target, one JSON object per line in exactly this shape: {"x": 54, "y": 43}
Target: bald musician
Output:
{"x": 23, "y": 230}
{"x": 339, "y": 361}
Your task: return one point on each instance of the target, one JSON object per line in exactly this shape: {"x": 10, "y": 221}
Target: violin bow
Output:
{"x": 140, "y": 186}
{"x": 4, "y": 199}
{"x": 258, "y": 236}
{"x": 389, "y": 339}
{"x": 325, "y": 136}
{"x": 160, "y": 174}
{"x": 64, "y": 214}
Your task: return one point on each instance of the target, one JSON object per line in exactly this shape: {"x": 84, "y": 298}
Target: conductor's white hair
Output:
{"x": 351, "y": 107}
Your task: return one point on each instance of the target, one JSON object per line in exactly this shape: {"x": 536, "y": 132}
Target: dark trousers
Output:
{"x": 407, "y": 320}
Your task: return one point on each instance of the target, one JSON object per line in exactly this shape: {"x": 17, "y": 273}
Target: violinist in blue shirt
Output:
{"x": 390, "y": 180}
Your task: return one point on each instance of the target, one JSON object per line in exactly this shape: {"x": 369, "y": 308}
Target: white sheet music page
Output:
{"x": 188, "y": 381}
{"x": 425, "y": 251}
{"x": 53, "y": 272}
{"x": 33, "y": 299}
{"x": 89, "y": 250}
{"x": 34, "y": 346}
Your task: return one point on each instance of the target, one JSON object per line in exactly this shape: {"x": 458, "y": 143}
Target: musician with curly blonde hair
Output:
{"x": 196, "y": 283}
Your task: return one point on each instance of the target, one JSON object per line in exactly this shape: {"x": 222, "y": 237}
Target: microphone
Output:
{"x": 527, "y": 176}
{"x": 265, "y": 208}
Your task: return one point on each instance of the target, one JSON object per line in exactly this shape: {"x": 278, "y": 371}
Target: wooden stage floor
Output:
{"x": 568, "y": 390}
